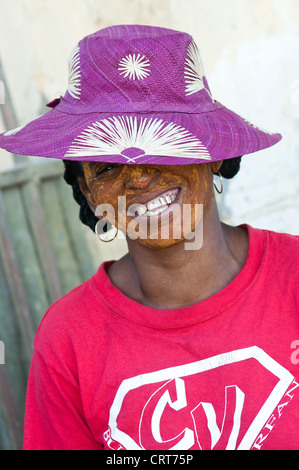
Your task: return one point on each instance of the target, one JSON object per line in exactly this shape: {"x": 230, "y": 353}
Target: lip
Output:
{"x": 146, "y": 198}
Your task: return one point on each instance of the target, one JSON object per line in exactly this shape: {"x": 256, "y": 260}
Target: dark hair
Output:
{"x": 230, "y": 167}
{"x": 74, "y": 169}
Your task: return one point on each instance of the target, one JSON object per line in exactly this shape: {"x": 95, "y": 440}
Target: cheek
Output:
{"x": 105, "y": 200}
{"x": 204, "y": 187}
{"x": 200, "y": 186}
{"x": 105, "y": 191}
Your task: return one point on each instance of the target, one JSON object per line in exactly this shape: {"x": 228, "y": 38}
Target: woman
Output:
{"x": 185, "y": 342}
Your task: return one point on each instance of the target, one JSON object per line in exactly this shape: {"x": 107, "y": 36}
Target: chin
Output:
{"x": 158, "y": 243}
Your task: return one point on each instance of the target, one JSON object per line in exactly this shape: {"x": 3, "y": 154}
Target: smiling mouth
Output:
{"x": 155, "y": 206}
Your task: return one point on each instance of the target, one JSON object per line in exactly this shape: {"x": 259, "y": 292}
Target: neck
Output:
{"x": 175, "y": 277}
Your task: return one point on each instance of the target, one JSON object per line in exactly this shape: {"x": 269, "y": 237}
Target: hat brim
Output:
{"x": 158, "y": 138}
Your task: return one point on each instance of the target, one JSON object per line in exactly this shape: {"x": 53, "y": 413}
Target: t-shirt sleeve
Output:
{"x": 54, "y": 418}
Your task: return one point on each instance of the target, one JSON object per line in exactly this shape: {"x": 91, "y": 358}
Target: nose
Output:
{"x": 141, "y": 177}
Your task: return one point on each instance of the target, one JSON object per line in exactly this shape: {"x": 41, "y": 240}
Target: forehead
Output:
{"x": 90, "y": 167}
{"x": 93, "y": 167}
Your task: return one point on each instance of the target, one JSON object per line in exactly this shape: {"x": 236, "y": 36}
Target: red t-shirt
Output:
{"x": 109, "y": 373}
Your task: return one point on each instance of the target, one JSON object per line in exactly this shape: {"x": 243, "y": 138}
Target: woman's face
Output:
{"x": 156, "y": 205}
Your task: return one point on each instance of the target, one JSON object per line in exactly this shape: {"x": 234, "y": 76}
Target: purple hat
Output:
{"x": 138, "y": 95}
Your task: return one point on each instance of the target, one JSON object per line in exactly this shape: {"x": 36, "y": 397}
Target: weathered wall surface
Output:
{"x": 251, "y": 54}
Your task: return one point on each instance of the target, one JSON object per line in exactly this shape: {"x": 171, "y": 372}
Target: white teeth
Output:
{"x": 141, "y": 210}
{"x": 156, "y": 203}
{"x": 160, "y": 204}
{"x": 161, "y": 201}
{"x": 157, "y": 211}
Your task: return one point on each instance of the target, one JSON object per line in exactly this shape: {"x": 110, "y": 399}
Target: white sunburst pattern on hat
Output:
{"x": 16, "y": 130}
{"x": 13, "y": 131}
{"x": 74, "y": 85}
{"x": 154, "y": 137}
{"x": 255, "y": 126}
{"x": 134, "y": 67}
{"x": 194, "y": 70}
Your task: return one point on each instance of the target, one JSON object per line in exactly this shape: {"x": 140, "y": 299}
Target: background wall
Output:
{"x": 251, "y": 54}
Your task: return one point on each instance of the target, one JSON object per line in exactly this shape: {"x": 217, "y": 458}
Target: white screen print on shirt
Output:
{"x": 229, "y": 401}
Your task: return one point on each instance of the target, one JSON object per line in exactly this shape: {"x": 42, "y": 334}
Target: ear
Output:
{"x": 87, "y": 193}
{"x": 215, "y": 166}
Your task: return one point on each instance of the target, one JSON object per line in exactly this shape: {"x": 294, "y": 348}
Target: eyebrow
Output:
{"x": 95, "y": 164}
{"x": 92, "y": 164}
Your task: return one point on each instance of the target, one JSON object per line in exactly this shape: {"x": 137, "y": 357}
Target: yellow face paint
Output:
{"x": 162, "y": 196}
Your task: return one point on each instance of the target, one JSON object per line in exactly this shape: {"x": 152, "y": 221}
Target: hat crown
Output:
{"x": 131, "y": 68}
{"x": 137, "y": 95}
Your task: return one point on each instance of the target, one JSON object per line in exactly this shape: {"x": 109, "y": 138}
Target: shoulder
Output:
{"x": 283, "y": 244}
{"x": 274, "y": 254}
{"x": 281, "y": 252}
{"x": 72, "y": 306}
{"x": 70, "y": 321}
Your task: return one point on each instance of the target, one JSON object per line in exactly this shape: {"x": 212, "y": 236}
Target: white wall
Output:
{"x": 251, "y": 54}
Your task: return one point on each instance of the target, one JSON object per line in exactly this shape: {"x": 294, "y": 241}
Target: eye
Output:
{"x": 108, "y": 169}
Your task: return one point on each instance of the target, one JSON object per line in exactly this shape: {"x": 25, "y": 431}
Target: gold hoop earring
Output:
{"x": 108, "y": 235}
{"x": 219, "y": 191}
